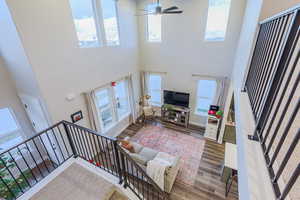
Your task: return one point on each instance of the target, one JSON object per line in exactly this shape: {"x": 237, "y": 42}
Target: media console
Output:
{"x": 175, "y": 114}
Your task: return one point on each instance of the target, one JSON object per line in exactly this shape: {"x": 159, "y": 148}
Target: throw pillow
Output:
{"x": 128, "y": 146}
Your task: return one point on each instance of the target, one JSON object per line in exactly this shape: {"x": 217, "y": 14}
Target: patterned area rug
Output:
{"x": 189, "y": 148}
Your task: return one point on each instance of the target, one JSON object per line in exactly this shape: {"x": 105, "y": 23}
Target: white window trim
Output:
{"x": 99, "y": 12}
{"x": 155, "y": 103}
{"x": 19, "y": 129}
{"x": 99, "y": 24}
{"x": 115, "y": 117}
{"x": 227, "y": 22}
{"x": 127, "y": 91}
{"x": 147, "y": 28}
{"x": 203, "y": 97}
{"x": 99, "y": 110}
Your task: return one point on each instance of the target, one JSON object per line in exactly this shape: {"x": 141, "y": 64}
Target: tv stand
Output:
{"x": 175, "y": 114}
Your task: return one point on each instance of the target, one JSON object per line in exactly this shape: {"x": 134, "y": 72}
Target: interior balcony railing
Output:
{"x": 273, "y": 88}
{"x": 27, "y": 163}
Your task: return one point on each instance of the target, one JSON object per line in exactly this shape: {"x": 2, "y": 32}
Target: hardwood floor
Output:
{"x": 208, "y": 185}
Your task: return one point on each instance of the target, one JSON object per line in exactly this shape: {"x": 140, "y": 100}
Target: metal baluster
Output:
{"x": 102, "y": 151}
{"x": 113, "y": 152}
{"x": 103, "y": 163}
{"x": 77, "y": 143}
{"x": 46, "y": 151}
{"x": 87, "y": 144}
{"x": 50, "y": 142}
{"x": 132, "y": 174}
{"x": 148, "y": 191}
{"x": 117, "y": 160}
{"x": 290, "y": 183}
{"x": 109, "y": 156}
{"x": 287, "y": 156}
{"x": 285, "y": 133}
{"x": 38, "y": 167}
{"x": 94, "y": 155}
{"x": 124, "y": 170}
{"x": 58, "y": 144}
{"x": 71, "y": 140}
{"x": 82, "y": 144}
{"x": 282, "y": 114}
{"x": 281, "y": 119}
{"x": 64, "y": 140}
{"x": 40, "y": 155}
{"x": 96, "y": 151}
{"x": 26, "y": 163}
{"x": 82, "y": 136}
{"x": 138, "y": 180}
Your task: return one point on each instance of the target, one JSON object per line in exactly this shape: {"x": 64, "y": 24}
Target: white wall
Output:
{"x": 13, "y": 53}
{"x": 272, "y": 7}
{"x": 16, "y": 62}
{"x": 9, "y": 98}
{"x": 48, "y": 34}
{"x": 183, "y": 50}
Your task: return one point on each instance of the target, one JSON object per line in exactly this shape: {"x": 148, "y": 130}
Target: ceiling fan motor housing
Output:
{"x": 158, "y": 9}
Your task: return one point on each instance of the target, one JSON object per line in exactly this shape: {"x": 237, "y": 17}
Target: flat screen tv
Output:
{"x": 176, "y": 98}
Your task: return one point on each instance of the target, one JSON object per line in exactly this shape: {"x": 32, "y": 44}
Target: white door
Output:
{"x": 39, "y": 122}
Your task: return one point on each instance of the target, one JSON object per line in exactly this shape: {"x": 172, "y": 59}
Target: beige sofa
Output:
{"x": 143, "y": 154}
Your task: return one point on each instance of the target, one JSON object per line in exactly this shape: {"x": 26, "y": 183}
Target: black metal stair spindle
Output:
{"x": 36, "y": 147}
{"x": 41, "y": 139}
{"x": 58, "y": 144}
{"x": 36, "y": 164}
{"x": 27, "y": 165}
{"x": 62, "y": 138}
{"x": 51, "y": 144}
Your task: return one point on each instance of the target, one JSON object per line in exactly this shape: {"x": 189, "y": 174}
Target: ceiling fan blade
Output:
{"x": 171, "y": 8}
{"x": 173, "y": 12}
{"x": 145, "y": 14}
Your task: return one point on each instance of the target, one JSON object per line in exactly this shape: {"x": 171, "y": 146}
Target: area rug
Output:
{"x": 189, "y": 148}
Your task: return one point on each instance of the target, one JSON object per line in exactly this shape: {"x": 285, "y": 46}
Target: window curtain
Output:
{"x": 133, "y": 115}
{"x": 222, "y": 91}
{"x": 144, "y": 82}
{"x": 92, "y": 110}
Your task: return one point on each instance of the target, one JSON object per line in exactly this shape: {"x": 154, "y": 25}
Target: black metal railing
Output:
{"x": 135, "y": 177}
{"x": 25, "y": 164}
{"x": 273, "y": 88}
{"x": 105, "y": 153}
{"x": 97, "y": 149}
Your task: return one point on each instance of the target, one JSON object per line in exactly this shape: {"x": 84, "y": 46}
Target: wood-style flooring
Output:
{"x": 208, "y": 185}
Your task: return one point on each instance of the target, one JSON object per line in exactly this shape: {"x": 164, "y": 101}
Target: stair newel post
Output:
{"x": 118, "y": 161}
{"x": 70, "y": 140}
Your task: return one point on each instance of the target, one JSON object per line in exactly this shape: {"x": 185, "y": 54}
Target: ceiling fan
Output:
{"x": 158, "y": 10}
